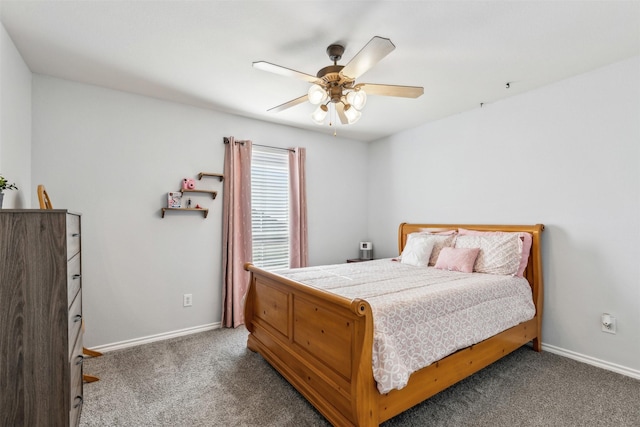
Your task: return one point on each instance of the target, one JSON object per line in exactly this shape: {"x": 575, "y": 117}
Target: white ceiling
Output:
{"x": 200, "y": 52}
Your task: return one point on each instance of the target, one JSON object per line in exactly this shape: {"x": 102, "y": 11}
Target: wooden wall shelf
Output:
{"x": 205, "y": 212}
{"x": 214, "y": 175}
{"x": 213, "y": 193}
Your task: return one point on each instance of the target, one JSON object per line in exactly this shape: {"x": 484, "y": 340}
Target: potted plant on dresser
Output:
{"x": 4, "y": 185}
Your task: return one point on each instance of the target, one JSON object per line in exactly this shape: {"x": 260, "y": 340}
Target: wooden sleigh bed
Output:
{"x": 322, "y": 343}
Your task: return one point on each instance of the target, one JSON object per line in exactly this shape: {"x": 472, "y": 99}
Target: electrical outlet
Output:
{"x": 187, "y": 300}
{"x": 608, "y": 323}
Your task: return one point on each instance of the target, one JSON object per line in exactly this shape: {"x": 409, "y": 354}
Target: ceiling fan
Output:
{"x": 336, "y": 84}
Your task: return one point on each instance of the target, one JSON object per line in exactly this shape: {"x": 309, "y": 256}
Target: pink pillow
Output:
{"x": 527, "y": 240}
{"x": 457, "y": 259}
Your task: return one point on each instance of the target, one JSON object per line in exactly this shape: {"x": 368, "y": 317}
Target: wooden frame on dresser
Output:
{"x": 322, "y": 343}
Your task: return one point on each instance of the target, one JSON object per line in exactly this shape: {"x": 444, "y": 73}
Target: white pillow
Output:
{"x": 441, "y": 240}
{"x": 417, "y": 250}
{"x": 499, "y": 253}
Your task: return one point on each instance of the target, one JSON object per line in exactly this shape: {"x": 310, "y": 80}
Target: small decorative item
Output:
{"x": 188, "y": 184}
{"x": 189, "y": 203}
{"x": 174, "y": 200}
{"x": 4, "y": 185}
{"x": 198, "y": 206}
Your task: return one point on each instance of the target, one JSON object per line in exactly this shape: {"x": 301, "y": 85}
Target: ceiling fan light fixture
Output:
{"x": 317, "y": 94}
{"x": 320, "y": 113}
{"x": 334, "y": 86}
{"x": 352, "y": 114}
{"x": 357, "y": 99}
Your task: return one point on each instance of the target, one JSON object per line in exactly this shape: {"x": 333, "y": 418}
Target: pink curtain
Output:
{"x": 236, "y": 230}
{"x": 298, "y": 251}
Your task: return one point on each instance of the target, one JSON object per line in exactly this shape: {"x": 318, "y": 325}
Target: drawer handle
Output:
{"x": 79, "y": 359}
{"x": 78, "y": 402}
{"x": 75, "y": 276}
{"x": 75, "y": 235}
{"x": 77, "y": 318}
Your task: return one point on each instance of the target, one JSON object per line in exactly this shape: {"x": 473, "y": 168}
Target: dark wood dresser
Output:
{"x": 40, "y": 318}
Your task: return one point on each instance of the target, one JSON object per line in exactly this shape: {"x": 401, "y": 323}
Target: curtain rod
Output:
{"x": 226, "y": 141}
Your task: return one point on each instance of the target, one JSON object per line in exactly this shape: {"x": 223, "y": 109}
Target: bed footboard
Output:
{"x": 320, "y": 342}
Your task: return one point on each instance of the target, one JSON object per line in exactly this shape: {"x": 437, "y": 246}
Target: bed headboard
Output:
{"x": 533, "y": 272}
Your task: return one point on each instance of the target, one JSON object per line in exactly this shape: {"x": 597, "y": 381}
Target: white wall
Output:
{"x": 567, "y": 156}
{"x": 113, "y": 157}
{"x": 15, "y": 123}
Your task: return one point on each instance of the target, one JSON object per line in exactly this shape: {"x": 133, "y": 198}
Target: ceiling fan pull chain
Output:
{"x": 331, "y": 114}
{"x": 335, "y": 128}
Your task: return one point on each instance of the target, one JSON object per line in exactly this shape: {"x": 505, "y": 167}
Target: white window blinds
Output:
{"x": 270, "y": 207}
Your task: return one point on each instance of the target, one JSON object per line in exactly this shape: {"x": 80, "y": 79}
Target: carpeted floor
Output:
{"x": 211, "y": 379}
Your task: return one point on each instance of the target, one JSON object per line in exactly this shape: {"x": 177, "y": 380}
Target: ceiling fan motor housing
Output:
{"x": 334, "y": 82}
{"x": 330, "y": 73}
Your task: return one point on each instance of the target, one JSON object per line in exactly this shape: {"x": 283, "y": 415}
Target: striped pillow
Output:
{"x": 527, "y": 241}
{"x": 499, "y": 253}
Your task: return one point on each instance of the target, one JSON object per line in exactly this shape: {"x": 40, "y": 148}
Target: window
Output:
{"x": 270, "y": 207}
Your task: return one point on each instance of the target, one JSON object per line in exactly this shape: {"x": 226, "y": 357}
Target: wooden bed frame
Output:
{"x": 322, "y": 343}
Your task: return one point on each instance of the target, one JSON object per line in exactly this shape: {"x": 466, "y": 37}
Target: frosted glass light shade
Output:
{"x": 317, "y": 94}
{"x": 319, "y": 115}
{"x": 357, "y": 99}
{"x": 352, "y": 114}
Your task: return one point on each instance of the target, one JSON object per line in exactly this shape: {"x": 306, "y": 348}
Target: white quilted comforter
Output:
{"x": 422, "y": 314}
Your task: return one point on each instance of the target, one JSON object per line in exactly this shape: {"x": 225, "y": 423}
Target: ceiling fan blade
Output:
{"x": 340, "y": 110}
{"x": 289, "y": 104}
{"x": 391, "y": 90}
{"x": 369, "y": 55}
{"x": 283, "y": 71}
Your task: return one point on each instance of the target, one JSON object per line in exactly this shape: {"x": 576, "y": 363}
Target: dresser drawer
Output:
{"x": 75, "y": 386}
{"x": 76, "y": 408}
{"x": 75, "y": 321}
{"x": 73, "y": 235}
{"x": 74, "y": 281}
{"x": 75, "y": 362}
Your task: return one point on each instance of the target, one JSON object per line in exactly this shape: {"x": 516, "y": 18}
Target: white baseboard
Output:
{"x": 153, "y": 338}
{"x": 633, "y": 373}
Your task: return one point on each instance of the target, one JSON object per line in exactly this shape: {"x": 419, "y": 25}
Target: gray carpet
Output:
{"x": 211, "y": 379}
